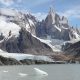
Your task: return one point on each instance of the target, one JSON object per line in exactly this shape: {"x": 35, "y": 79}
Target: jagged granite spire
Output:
{"x": 57, "y": 27}
{"x": 51, "y": 18}
{"x": 51, "y": 10}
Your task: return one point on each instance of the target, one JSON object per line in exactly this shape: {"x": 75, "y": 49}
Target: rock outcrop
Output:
{"x": 25, "y": 43}
{"x": 72, "y": 49}
{"x": 8, "y": 61}
{"x": 12, "y": 61}
{"x": 56, "y": 27}
{"x": 22, "y": 19}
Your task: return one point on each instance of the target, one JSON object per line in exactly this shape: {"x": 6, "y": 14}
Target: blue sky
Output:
{"x": 40, "y": 8}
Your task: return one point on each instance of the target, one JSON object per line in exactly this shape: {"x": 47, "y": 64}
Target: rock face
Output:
{"x": 53, "y": 26}
{"x": 25, "y": 43}
{"x": 12, "y": 61}
{"x": 24, "y": 26}
{"x": 72, "y": 49}
{"x": 56, "y": 27}
{"x": 28, "y": 27}
{"x": 30, "y": 62}
{"x": 8, "y": 61}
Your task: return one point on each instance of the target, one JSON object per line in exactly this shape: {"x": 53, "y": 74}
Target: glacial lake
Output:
{"x": 27, "y": 72}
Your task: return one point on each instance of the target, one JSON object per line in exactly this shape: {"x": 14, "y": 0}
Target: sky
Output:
{"x": 40, "y": 8}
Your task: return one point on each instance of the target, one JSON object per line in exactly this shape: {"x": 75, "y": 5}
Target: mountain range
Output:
{"x": 22, "y": 33}
{"x": 57, "y": 27}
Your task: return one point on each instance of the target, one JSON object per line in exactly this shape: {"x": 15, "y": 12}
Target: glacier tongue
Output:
{"x": 18, "y": 56}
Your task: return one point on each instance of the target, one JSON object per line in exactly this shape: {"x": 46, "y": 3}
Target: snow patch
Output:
{"x": 77, "y": 36}
{"x": 27, "y": 27}
{"x": 22, "y": 74}
{"x": 57, "y": 28}
{"x": 52, "y": 14}
{"x": 31, "y": 22}
{"x": 72, "y": 41}
{"x": 5, "y": 27}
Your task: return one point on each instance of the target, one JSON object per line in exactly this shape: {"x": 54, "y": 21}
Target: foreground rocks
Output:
{"x": 66, "y": 59}
{"x": 58, "y": 59}
{"x": 11, "y": 61}
{"x": 8, "y": 61}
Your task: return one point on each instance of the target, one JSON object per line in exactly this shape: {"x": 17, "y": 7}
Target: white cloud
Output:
{"x": 40, "y": 16}
{"x": 36, "y": 3}
{"x": 74, "y": 13}
{"x": 9, "y": 2}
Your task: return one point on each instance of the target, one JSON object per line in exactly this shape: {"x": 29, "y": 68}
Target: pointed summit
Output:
{"x": 52, "y": 17}
{"x": 51, "y": 10}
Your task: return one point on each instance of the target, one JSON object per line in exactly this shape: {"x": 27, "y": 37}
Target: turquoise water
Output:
{"x": 55, "y": 72}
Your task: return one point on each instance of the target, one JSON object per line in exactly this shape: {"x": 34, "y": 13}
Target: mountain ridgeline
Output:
{"x": 23, "y": 33}
{"x": 25, "y": 43}
{"x": 56, "y": 27}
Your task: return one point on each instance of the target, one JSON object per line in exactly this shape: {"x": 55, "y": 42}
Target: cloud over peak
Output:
{"x": 9, "y": 2}
{"x": 72, "y": 13}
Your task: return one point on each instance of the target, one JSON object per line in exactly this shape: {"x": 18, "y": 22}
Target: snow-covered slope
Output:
{"x": 49, "y": 42}
{"x": 6, "y": 27}
{"x": 20, "y": 18}
{"x": 53, "y": 27}
{"x": 76, "y": 35}
{"x": 11, "y": 25}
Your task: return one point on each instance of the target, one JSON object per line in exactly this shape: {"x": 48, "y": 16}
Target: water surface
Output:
{"x": 55, "y": 72}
